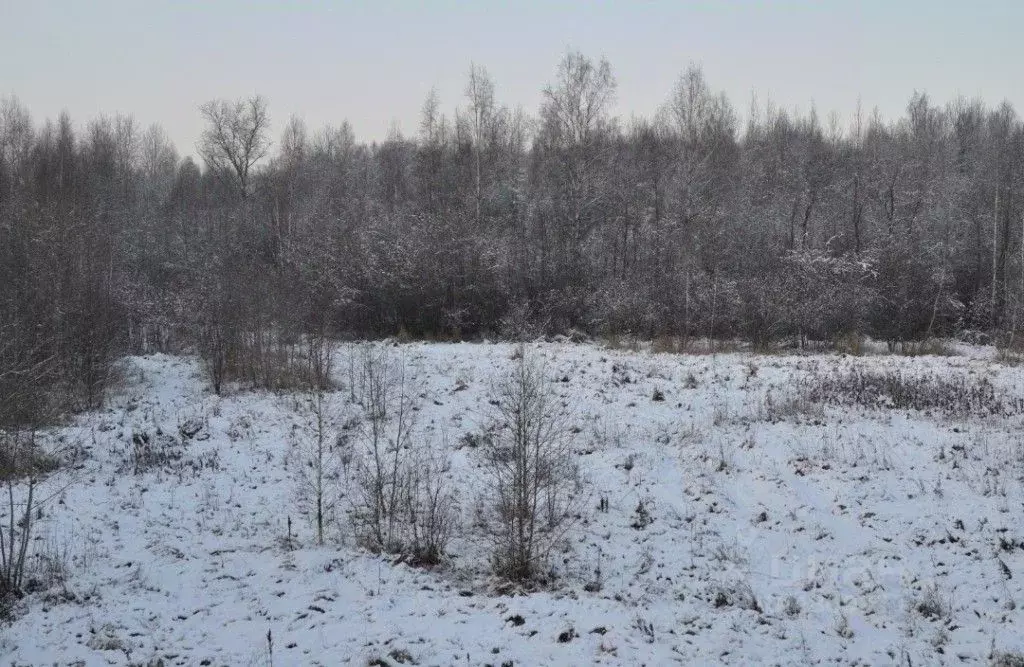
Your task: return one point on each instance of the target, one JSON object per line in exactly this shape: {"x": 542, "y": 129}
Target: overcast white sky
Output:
{"x": 374, "y": 62}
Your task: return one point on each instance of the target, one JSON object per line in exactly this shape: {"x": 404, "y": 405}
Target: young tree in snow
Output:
{"x": 322, "y": 456}
{"x": 531, "y": 471}
{"x": 403, "y": 503}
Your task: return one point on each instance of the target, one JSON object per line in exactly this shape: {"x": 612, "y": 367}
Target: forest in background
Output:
{"x": 491, "y": 221}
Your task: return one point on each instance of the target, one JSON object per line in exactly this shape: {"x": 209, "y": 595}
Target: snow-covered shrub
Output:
{"x": 843, "y": 628}
{"x": 738, "y": 594}
{"x": 785, "y": 405}
{"x": 384, "y": 461}
{"x": 192, "y": 427}
{"x": 930, "y": 604}
{"x": 430, "y": 506}
{"x": 791, "y": 607}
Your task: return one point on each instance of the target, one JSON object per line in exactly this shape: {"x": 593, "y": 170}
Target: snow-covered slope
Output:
{"x": 771, "y": 531}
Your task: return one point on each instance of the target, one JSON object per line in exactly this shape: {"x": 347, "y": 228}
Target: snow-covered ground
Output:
{"x": 776, "y": 532}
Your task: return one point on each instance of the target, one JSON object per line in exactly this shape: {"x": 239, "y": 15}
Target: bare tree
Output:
{"x": 321, "y": 460}
{"x": 26, "y": 379}
{"x": 126, "y": 151}
{"x": 389, "y": 412}
{"x": 704, "y": 126}
{"x": 15, "y": 142}
{"x": 158, "y": 163}
{"x": 235, "y": 139}
{"x": 575, "y": 107}
{"x": 480, "y": 91}
{"x": 21, "y": 464}
{"x": 531, "y": 469}
{"x": 403, "y": 504}
{"x": 576, "y": 134}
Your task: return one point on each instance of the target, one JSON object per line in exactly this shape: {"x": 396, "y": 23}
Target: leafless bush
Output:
{"x": 737, "y": 594}
{"x": 931, "y": 605}
{"x": 48, "y": 566}
{"x": 430, "y": 506}
{"x": 532, "y": 473}
{"x": 403, "y": 504}
{"x": 383, "y": 468}
{"x": 788, "y": 405}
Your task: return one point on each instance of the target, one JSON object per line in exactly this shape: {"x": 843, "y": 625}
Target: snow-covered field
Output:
{"x": 772, "y": 531}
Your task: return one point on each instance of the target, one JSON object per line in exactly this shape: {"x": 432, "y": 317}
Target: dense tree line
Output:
{"x": 495, "y": 221}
